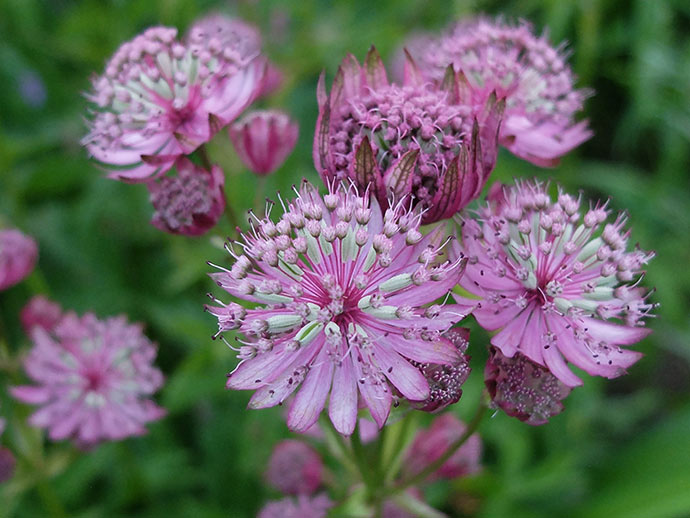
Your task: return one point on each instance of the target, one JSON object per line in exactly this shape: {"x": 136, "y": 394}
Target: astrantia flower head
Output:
{"x": 300, "y": 507}
{"x": 541, "y": 100}
{"x": 341, "y": 288}
{"x": 556, "y": 281}
{"x": 429, "y": 445}
{"x": 294, "y": 468}
{"x": 189, "y": 203}
{"x": 93, "y": 379}
{"x": 18, "y": 255}
{"x": 412, "y": 140}
{"x": 160, "y": 98}
{"x": 522, "y": 388}
{"x": 264, "y": 139}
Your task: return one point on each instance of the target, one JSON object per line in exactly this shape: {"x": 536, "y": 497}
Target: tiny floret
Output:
{"x": 92, "y": 380}
{"x": 556, "y": 281}
{"x": 331, "y": 316}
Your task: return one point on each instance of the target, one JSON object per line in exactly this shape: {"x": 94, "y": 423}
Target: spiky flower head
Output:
{"x": 264, "y": 139}
{"x": 302, "y": 506}
{"x": 556, "y": 282}
{"x": 430, "y": 444}
{"x": 190, "y": 202}
{"x": 18, "y": 255}
{"x": 294, "y": 468}
{"x": 93, "y": 380}
{"x": 160, "y": 97}
{"x": 446, "y": 381}
{"x": 541, "y": 99}
{"x": 41, "y": 312}
{"x": 337, "y": 290}
{"x": 413, "y": 139}
{"x": 522, "y": 388}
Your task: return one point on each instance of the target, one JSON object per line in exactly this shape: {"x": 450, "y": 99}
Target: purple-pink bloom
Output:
{"x": 445, "y": 381}
{"x": 41, "y": 312}
{"x": 336, "y": 294}
{"x": 264, "y": 139}
{"x": 18, "y": 255}
{"x": 541, "y": 99}
{"x": 160, "y": 97}
{"x": 294, "y": 468}
{"x": 556, "y": 282}
{"x": 302, "y": 506}
{"x": 93, "y": 380}
{"x": 189, "y": 203}
{"x": 429, "y": 445}
{"x": 522, "y": 388}
{"x": 428, "y": 143}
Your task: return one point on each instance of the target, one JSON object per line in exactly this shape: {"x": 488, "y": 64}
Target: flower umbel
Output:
{"x": 189, "y": 203}
{"x": 93, "y": 380}
{"x": 412, "y": 140}
{"x": 541, "y": 100}
{"x": 294, "y": 468}
{"x": 557, "y": 284}
{"x": 340, "y": 287}
{"x": 160, "y": 98}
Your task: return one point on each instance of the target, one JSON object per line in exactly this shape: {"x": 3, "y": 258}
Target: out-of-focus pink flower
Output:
{"x": 337, "y": 290}
{"x": 523, "y": 389}
{"x": 264, "y": 139}
{"x": 434, "y": 145}
{"x": 445, "y": 381}
{"x": 93, "y": 379}
{"x": 18, "y": 255}
{"x": 40, "y": 312}
{"x": 431, "y": 444}
{"x": 541, "y": 100}
{"x": 160, "y": 98}
{"x": 557, "y": 284}
{"x": 294, "y": 468}
{"x": 273, "y": 80}
{"x": 189, "y": 203}
{"x": 301, "y": 507}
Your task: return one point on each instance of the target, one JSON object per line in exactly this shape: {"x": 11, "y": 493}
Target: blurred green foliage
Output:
{"x": 621, "y": 448}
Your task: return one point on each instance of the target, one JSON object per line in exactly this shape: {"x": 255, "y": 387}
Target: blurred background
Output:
{"x": 621, "y": 448}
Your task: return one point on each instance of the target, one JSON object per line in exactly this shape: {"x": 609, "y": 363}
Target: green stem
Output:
{"x": 434, "y": 466}
{"x": 229, "y": 211}
{"x": 361, "y": 461}
{"x": 50, "y": 499}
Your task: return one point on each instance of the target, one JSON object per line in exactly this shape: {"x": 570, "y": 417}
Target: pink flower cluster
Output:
{"x": 93, "y": 379}
{"x": 538, "y": 85}
{"x": 338, "y": 292}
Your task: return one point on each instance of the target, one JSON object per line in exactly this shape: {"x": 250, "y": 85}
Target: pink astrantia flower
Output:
{"x": 301, "y": 507}
{"x": 340, "y": 287}
{"x": 557, "y": 284}
{"x": 523, "y": 389}
{"x": 40, "y": 312}
{"x": 429, "y": 445}
{"x": 264, "y": 139}
{"x": 445, "y": 381}
{"x": 412, "y": 140}
{"x": 160, "y": 98}
{"x": 189, "y": 203}
{"x": 294, "y": 468}
{"x": 93, "y": 380}
{"x": 18, "y": 255}
{"x": 541, "y": 100}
